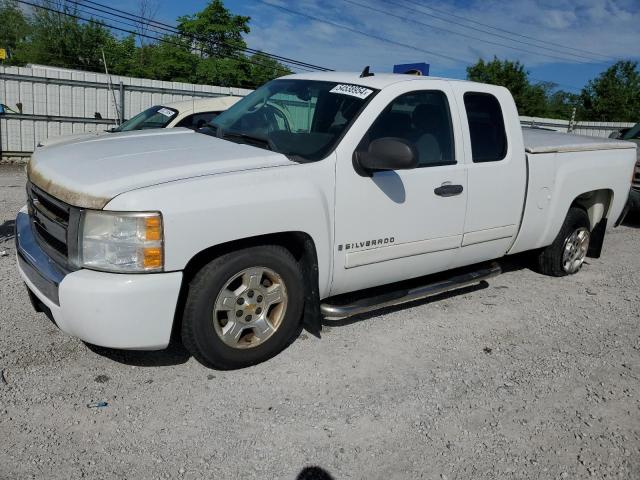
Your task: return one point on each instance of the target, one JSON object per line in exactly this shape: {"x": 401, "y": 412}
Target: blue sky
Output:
{"x": 585, "y": 36}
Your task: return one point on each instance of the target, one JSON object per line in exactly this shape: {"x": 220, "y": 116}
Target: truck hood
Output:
{"x": 91, "y": 171}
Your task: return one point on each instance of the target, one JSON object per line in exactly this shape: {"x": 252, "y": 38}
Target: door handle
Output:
{"x": 448, "y": 190}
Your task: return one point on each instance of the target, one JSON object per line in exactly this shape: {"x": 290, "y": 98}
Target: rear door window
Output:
{"x": 486, "y": 127}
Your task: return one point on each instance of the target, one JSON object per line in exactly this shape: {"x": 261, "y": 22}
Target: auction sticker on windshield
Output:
{"x": 353, "y": 90}
{"x": 166, "y": 112}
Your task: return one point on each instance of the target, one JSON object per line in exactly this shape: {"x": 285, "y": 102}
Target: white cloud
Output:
{"x": 599, "y": 27}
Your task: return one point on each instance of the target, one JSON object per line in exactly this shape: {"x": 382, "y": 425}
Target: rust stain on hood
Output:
{"x": 77, "y": 199}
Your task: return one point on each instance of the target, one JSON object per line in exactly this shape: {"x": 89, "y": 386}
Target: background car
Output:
{"x": 632, "y": 135}
{"x": 193, "y": 114}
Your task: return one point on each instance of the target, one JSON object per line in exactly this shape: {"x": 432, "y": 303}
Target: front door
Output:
{"x": 394, "y": 225}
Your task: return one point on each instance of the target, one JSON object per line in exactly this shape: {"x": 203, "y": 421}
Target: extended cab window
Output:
{"x": 421, "y": 118}
{"x": 486, "y": 126}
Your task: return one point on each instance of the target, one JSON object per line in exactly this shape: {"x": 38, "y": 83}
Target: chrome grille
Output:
{"x": 50, "y": 219}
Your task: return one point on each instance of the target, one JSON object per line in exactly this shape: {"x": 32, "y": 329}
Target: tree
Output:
{"x": 15, "y": 28}
{"x": 217, "y": 32}
{"x": 614, "y": 96}
{"x": 170, "y": 59}
{"x": 225, "y": 71}
{"x": 560, "y": 104}
{"x": 209, "y": 47}
{"x": 61, "y": 40}
{"x": 263, "y": 68}
{"x": 530, "y": 99}
{"x": 216, "y": 35}
{"x": 147, "y": 9}
{"x": 122, "y": 55}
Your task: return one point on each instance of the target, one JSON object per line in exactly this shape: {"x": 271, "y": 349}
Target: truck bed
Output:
{"x": 563, "y": 167}
{"x": 537, "y": 140}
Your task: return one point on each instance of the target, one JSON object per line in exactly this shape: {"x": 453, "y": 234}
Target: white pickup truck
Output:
{"x": 312, "y": 187}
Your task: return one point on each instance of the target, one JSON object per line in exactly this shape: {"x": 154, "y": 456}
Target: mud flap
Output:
{"x": 311, "y": 318}
{"x": 597, "y": 239}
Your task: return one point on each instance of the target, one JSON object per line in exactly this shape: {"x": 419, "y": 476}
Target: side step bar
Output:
{"x": 364, "y": 305}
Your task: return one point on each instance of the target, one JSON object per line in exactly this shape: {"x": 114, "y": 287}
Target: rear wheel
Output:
{"x": 566, "y": 255}
{"x": 243, "y": 307}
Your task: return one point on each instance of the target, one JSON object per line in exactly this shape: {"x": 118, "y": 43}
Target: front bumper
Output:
{"x": 127, "y": 311}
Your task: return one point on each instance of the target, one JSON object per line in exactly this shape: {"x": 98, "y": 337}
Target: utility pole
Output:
{"x": 113, "y": 93}
{"x": 572, "y": 122}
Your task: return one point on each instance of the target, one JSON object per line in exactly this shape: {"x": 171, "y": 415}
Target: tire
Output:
{"x": 555, "y": 259}
{"x": 634, "y": 201}
{"x": 243, "y": 308}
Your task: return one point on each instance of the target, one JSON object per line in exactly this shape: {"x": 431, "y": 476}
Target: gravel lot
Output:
{"x": 530, "y": 377}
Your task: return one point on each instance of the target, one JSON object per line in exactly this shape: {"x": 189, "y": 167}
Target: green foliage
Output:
{"x": 531, "y": 99}
{"x": 560, "y": 104}
{"x": 614, "y": 96}
{"x": 167, "y": 60}
{"x": 216, "y": 31}
{"x": 60, "y": 40}
{"x": 15, "y": 28}
{"x": 209, "y": 48}
{"x": 221, "y": 71}
{"x": 262, "y": 68}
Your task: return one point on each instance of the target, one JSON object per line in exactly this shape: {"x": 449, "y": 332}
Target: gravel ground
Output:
{"x": 529, "y": 377}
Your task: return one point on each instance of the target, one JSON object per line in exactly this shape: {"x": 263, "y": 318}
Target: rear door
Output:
{"x": 395, "y": 225}
{"x": 497, "y": 171}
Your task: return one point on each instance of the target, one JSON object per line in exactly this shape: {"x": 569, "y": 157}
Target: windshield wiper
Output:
{"x": 208, "y": 129}
{"x": 254, "y": 140}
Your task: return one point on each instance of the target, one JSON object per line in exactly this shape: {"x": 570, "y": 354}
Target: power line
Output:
{"x": 376, "y": 37}
{"x": 164, "y": 40}
{"x": 570, "y": 87}
{"x": 406, "y": 19}
{"x": 360, "y": 32}
{"x": 169, "y": 28}
{"x": 422, "y": 12}
{"x": 603, "y": 57}
{"x": 153, "y": 30}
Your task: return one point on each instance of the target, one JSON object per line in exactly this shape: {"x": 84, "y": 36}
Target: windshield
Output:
{"x": 302, "y": 119}
{"x": 154, "y": 117}
{"x": 633, "y": 133}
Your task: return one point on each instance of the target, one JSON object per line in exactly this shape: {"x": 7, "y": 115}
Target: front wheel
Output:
{"x": 243, "y": 307}
{"x": 566, "y": 255}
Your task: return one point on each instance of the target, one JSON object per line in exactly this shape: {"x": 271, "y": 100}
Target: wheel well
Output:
{"x": 596, "y": 204}
{"x": 300, "y": 245}
{"x": 295, "y": 242}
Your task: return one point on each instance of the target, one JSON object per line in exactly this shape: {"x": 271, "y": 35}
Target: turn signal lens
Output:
{"x": 153, "y": 228}
{"x": 152, "y": 258}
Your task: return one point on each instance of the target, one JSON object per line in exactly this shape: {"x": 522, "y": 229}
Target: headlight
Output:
{"x": 121, "y": 241}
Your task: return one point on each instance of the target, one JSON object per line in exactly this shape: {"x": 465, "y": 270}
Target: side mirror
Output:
{"x": 387, "y": 153}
